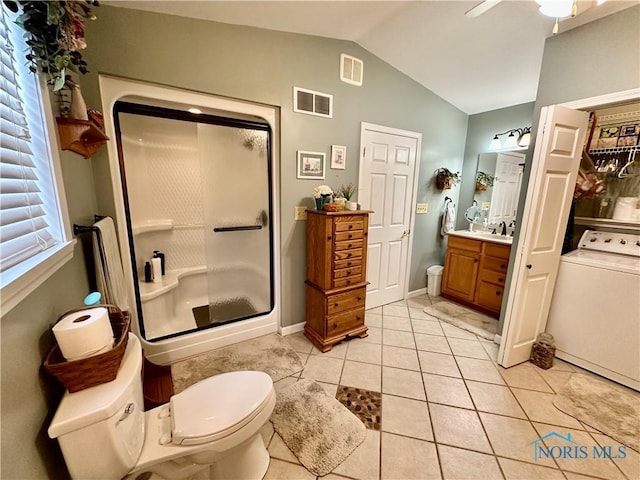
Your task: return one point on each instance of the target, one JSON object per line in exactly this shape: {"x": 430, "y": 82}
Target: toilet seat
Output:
{"x": 218, "y": 406}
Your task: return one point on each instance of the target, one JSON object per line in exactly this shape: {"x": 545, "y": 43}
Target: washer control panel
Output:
{"x": 621, "y": 243}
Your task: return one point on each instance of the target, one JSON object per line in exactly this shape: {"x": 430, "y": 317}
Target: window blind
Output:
{"x": 25, "y": 174}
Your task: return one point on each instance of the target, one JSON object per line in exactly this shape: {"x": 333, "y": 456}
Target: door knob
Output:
{"x": 405, "y": 233}
{"x": 529, "y": 266}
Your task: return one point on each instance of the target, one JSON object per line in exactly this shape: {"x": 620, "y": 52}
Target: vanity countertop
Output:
{"x": 483, "y": 236}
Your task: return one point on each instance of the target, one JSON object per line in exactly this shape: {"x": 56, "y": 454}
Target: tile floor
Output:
{"x": 448, "y": 410}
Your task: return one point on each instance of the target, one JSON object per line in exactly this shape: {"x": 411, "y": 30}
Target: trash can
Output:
{"x": 434, "y": 280}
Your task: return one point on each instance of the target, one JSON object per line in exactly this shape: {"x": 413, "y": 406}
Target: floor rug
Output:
{"x": 364, "y": 404}
{"x": 316, "y": 427}
{"x": 612, "y": 409}
{"x": 270, "y": 354}
{"x": 464, "y": 318}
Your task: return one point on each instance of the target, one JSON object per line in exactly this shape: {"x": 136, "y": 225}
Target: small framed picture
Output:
{"x": 338, "y": 157}
{"x": 311, "y": 165}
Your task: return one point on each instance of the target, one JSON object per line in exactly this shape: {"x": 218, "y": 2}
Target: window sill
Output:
{"x": 18, "y": 283}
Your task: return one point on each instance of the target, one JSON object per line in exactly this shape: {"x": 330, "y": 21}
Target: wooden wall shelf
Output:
{"x": 83, "y": 137}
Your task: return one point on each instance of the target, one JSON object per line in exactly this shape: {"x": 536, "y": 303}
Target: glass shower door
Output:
{"x": 236, "y": 182}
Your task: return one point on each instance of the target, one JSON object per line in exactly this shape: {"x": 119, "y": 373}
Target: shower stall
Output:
{"x": 197, "y": 185}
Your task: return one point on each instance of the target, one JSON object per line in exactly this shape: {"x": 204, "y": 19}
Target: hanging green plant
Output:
{"x": 484, "y": 180}
{"x": 55, "y": 35}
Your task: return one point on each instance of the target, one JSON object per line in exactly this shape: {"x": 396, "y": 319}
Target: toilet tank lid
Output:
{"x": 95, "y": 404}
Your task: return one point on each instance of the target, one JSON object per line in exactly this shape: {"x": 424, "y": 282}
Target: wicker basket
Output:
{"x": 88, "y": 372}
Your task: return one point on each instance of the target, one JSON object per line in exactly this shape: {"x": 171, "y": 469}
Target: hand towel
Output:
{"x": 448, "y": 219}
{"x": 109, "y": 271}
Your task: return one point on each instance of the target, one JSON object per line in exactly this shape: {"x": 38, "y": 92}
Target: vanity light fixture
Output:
{"x": 195, "y": 111}
{"x": 521, "y": 140}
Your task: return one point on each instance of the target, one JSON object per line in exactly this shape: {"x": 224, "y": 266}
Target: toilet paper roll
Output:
{"x": 84, "y": 333}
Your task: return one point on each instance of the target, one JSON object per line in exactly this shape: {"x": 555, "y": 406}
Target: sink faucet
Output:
{"x": 504, "y": 228}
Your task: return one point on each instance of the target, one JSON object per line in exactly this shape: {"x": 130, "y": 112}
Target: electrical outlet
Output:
{"x": 485, "y": 206}
{"x": 300, "y": 213}
{"x": 422, "y": 207}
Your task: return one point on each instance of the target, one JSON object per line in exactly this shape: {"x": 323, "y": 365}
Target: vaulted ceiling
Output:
{"x": 477, "y": 64}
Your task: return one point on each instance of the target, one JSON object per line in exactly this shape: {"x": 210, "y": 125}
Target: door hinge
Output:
{"x": 364, "y": 151}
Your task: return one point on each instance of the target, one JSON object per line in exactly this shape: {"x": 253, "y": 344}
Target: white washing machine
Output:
{"x": 595, "y": 310}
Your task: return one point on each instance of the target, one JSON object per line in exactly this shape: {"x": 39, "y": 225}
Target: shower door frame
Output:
{"x": 122, "y": 107}
{"x": 112, "y": 90}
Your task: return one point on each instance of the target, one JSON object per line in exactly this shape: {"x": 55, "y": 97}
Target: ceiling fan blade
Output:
{"x": 481, "y": 8}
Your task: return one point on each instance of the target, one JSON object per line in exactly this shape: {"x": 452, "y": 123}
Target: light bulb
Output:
{"x": 524, "y": 139}
{"x": 556, "y": 8}
{"x": 511, "y": 142}
{"x": 495, "y": 144}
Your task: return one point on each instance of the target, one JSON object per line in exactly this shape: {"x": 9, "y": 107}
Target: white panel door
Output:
{"x": 506, "y": 187}
{"x": 385, "y": 186}
{"x": 556, "y": 160}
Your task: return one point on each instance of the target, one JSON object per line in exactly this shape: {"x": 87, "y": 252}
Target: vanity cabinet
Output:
{"x": 336, "y": 276}
{"x": 475, "y": 272}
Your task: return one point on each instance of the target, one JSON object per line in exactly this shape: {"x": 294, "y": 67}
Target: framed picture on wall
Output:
{"x": 338, "y": 157}
{"x": 311, "y": 165}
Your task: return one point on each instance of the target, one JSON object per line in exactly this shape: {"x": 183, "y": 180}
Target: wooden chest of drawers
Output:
{"x": 336, "y": 276}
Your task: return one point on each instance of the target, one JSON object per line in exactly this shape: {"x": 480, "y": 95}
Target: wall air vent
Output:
{"x": 351, "y": 70}
{"x": 312, "y": 103}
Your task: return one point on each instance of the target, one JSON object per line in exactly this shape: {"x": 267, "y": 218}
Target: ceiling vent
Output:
{"x": 351, "y": 70}
{"x": 312, "y": 103}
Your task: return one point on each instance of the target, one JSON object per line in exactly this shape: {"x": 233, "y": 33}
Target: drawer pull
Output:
{"x": 348, "y": 282}
{"x": 501, "y": 280}
{"x": 329, "y": 237}
{"x": 350, "y": 245}
{"x": 475, "y": 260}
{"x": 335, "y": 325}
{"x": 349, "y": 264}
{"x": 335, "y": 305}
{"x": 497, "y": 293}
{"x": 350, "y": 236}
{"x": 350, "y": 227}
{"x": 502, "y": 265}
{"x": 358, "y": 317}
{"x": 359, "y": 299}
{"x": 348, "y": 272}
{"x": 348, "y": 255}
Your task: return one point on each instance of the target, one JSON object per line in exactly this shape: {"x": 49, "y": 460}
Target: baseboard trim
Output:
{"x": 417, "y": 293}
{"x": 290, "y": 329}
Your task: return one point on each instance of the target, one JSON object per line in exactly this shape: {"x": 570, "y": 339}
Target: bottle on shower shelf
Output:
{"x": 160, "y": 255}
{"x": 156, "y": 268}
{"x": 148, "y": 274}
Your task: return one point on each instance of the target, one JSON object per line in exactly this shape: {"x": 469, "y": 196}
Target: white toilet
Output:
{"x": 104, "y": 432}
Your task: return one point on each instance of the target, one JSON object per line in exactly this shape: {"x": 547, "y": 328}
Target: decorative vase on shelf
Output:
{"x": 351, "y": 206}
{"x": 78, "y": 110}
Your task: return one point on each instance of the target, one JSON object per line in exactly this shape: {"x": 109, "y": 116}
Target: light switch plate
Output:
{"x": 485, "y": 206}
{"x": 422, "y": 207}
{"x": 300, "y": 213}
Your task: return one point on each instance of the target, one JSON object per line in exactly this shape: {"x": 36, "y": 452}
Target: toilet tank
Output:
{"x": 101, "y": 429}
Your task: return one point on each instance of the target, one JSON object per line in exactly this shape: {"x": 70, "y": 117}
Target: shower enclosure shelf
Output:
{"x": 170, "y": 281}
{"x": 152, "y": 226}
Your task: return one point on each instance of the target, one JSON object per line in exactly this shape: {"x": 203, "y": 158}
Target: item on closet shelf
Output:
{"x": 92, "y": 299}
{"x": 148, "y": 272}
{"x": 160, "y": 255}
{"x": 448, "y": 217}
{"x": 543, "y": 351}
{"x": 156, "y": 267}
{"x": 627, "y": 209}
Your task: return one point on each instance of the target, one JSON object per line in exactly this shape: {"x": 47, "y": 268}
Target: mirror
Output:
{"x": 497, "y": 186}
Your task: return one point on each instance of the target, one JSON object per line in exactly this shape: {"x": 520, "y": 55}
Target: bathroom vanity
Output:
{"x": 336, "y": 285}
{"x": 475, "y": 270}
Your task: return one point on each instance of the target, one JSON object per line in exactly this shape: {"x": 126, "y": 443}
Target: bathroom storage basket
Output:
{"x": 88, "y": 372}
